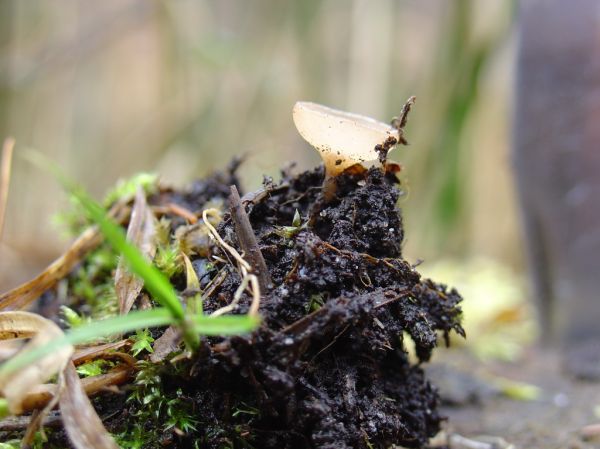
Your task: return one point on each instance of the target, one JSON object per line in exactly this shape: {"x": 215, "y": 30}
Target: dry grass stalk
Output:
{"x": 5, "y": 167}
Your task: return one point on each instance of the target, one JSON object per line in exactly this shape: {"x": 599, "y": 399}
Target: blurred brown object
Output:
{"x": 557, "y": 162}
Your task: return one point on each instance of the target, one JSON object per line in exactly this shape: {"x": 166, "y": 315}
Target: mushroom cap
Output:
{"x": 342, "y": 138}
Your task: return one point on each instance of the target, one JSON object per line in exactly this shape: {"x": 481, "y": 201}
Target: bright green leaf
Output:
{"x": 142, "y": 341}
{"x": 93, "y": 368}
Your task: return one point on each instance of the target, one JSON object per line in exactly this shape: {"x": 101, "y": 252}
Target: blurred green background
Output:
{"x": 111, "y": 88}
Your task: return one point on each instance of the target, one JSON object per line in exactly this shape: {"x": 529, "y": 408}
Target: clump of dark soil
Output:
{"x": 328, "y": 367}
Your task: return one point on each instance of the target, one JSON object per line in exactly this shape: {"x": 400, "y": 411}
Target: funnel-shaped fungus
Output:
{"x": 342, "y": 138}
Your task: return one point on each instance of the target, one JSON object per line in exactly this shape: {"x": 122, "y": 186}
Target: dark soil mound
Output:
{"x": 328, "y": 368}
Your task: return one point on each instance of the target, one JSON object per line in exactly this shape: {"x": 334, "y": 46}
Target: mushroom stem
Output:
{"x": 329, "y": 188}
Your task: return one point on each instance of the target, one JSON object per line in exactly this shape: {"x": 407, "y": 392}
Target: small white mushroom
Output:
{"x": 342, "y": 138}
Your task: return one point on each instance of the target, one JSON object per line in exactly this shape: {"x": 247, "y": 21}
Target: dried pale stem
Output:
{"x": 236, "y": 298}
{"x": 41, "y": 395}
{"x": 182, "y": 212}
{"x": 18, "y": 423}
{"x": 255, "y": 296}
{"x": 7, "y": 152}
{"x": 213, "y": 232}
{"x": 244, "y": 268}
{"x": 39, "y": 416}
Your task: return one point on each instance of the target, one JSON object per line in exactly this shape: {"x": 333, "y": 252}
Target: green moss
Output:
{"x": 126, "y": 188}
{"x": 315, "y": 303}
{"x": 155, "y": 412}
{"x": 168, "y": 260}
{"x": 94, "y": 368}
{"x": 73, "y": 220}
{"x": 142, "y": 342}
{"x": 71, "y": 318}
{"x": 92, "y": 286}
{"x": 290, "y": 231}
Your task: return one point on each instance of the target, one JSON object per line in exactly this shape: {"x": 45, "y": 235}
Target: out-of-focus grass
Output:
{"x": 115, "y": 87}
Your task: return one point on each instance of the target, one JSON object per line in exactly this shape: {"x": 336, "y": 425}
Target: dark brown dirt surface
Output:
{"x": 328, "y": 367}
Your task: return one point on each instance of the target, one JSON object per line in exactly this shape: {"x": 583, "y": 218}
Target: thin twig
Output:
{"x": 181, "y": 211}
{"x": 39, "y": 416}
{"x": 262, "y": 193}
{"x": 236, "y": 298}
{"x": 17, "y": 423}
{"x": 214, "y": 283}
{"x": 400, "y": 122}
{"x": 367, "y": 257}
{"x": 7, "y": 152}
{"x": 92, "y": 385}
{"x": 330, "y": 344}
{"x": 247, "y": 240}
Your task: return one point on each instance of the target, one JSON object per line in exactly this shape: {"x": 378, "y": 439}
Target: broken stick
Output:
{"x": 248, "y": 242}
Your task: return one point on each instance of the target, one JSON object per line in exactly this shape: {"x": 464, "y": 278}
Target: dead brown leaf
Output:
{"x": 14, "y": 386}
{"x": 167, "y": 343}
{"x": 83, "y": 425}
{"x": 86, "y": 354}
{"x": 141, "y": 232}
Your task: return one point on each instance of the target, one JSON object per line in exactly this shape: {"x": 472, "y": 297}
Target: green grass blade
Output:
{"x": 225, "y": 324}
{"x": 89, "y": 332}
{"x": 124, "y": 323}
{"x": 205, "y": 325}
